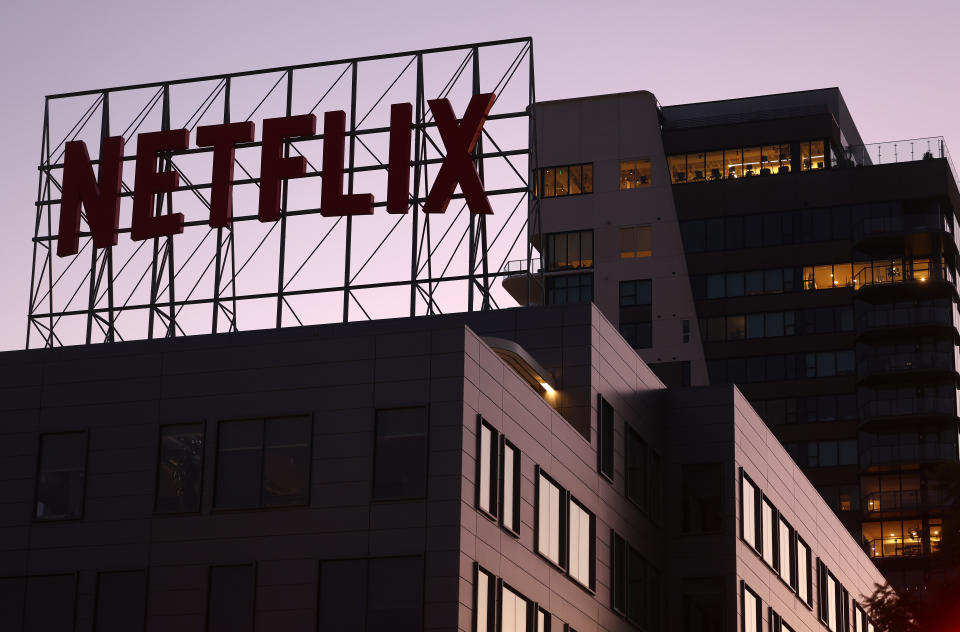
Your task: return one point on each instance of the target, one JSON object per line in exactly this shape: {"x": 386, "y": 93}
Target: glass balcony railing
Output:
{"x": 521, "y": 266}
{"x": 898, "y": 271}
{"x": 895, "y": 151}
{"x": 902, "y": 500}
{"x": 906, "y": 362}
{"x": 904, "y": 223}
{"x": 907, "y": 453}
{"x": 894, "y": 547}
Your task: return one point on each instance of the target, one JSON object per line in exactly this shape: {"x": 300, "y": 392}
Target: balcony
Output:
{"x": 907, "y": 454}
{"x": 881, "y": 317}
{"x": 912, "y": 362}
{"x": 523, "y": 281}
{"x": 893, "y": 152}
{"x": 902, "y": 500}
{"x": 887, "y": 233}
{"x": 903, "y": 277}
{"x": 894, "y": 547}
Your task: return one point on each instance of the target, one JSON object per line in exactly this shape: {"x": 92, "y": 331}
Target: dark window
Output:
{"x": 636, "y": 468}
{"x": 60, "y": 481}
{"x": 702, "y": 604}
{"x": 26, "y": 603}
{"x": 702, "y": 493}
{"x": 121, "y": 601}
{"x": 618, "y": 573}
{"x": 263, "y": 462}
{"x": 487, "y": 468}
{"x": 375, "y": 595}
{"x": 230, "y": 599}
{"x": 636, "y": 322}
{"x": 605, "y": 449}
{"x": 180, "y": 468}
{"x": 569, "y": 288}
{"x": 400, "y": 470}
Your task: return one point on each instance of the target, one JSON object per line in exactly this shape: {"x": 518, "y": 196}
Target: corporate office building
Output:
{"x": 758, "y": 241}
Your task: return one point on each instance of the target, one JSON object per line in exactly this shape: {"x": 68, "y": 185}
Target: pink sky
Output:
{"x": 893, "y": 61}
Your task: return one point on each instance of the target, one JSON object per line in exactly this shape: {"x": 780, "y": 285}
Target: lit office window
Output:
{"x": 605, "y": 438}
{"x": 180, "y": 468}
{"x": 636, "y": 242}
{"x": 812, "y": 156}
{"x": 487, "y": 468}
{"x": 565, "y": 180}
{"x": 767, "y": 513}
{"x": 550, "y": 519}
{"x": 749, "y": 507}
{"x": 60, "y": 479}
{"x": 570, "y": 250}
{"x": 510, "y": 488}
{"x": 634, "y": 174}
{"x": 750, "y": 617}
{"x": 263, "y": 462}
{"x": 728, "y": 164}
{"x": 513, "y": 611}
{"x": 581, "y": 544}
{"x": 803, "y": 571}
{"x": 636, "y": 312}
{"x": 484, "y": 609}
{"x": 400, "y": 468}
{"x": 785, "y": 541}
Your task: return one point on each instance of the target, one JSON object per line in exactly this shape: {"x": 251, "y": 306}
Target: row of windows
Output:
{"x": 565, "y": 531}
{"x": 813, "y": 409}
{"x": 643, "y": 468}
{"x": 833, "y": 610}
{"x": 764, "y": 230}
{"x": 776, "y": 367}
{"x": 769, "y": 534}
{"x": 383, "y": 594}
{"x": 821, "y": 320}
{"x": 564, "y": 180}
{"x": 751, "y": 618}
{"x": 829, "y": 453}
{"x": 499, "y": 607}
{"x": 742, "y": 162}
{"x": 901, "y": 538}
{"x": 635, "y": 585}
{"x": 745, "y": 283}
{"x": 569, "y": 288}
{"x": 260, "y": 463}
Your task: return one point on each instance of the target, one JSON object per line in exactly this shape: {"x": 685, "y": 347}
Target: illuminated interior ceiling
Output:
{"x": 523, "y": 363}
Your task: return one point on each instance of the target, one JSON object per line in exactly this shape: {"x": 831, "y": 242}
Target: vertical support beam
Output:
{"x": 40, "y": 209}
{"x": 95, "y": 257}
{"x": 417, "y": 139}
{"x": 218, "y": 263}
{"x": 533, "y": 202}
{"x": 171, "y": 268}
{"x": 283, "y": 208}
{"x": 162, "y": 258}
{"x": 481, "y": 219}
{"x": 353, "y": 140}
{"x": 471, "y": 241}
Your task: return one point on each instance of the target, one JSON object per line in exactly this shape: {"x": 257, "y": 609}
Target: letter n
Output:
{"x": 100, "y": 199}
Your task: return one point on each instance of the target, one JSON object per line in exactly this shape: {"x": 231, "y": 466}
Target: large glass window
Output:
{"x": 785, "y": 544}
{"x": 634, "y": 174}
{"x": 749, "y": 508}
{"x": 551, "y": 513}
{"x": 636, "y": 319}
{"x": 484, "y": 598}
{"x": 488, "y": 453}
{"x": 569, "y": 250}
{"x": 60, "y": 479}
{"x": 750, "y": 616}
{"x": 569, "y": 288}
{"x": 180, "y": 468}
{"x": 513, "y": 611}
{"x": 803, "y": 571}
{"x": 812, "y": 155}
{"x": 263, "y": 462}
{"x": 400, "y": 468}
{"x": 565, "y": 180}
{"x": 581, "y": 544}
{"x": 636, "y": 242}
{"x": 767, "y": 517}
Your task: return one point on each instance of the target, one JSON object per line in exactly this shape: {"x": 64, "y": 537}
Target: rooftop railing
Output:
{"x": 896, "y": 151}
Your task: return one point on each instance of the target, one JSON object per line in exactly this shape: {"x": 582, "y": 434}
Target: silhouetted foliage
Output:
{"x": 934, "y": 607}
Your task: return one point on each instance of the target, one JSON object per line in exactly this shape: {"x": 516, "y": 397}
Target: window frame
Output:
{"x": 539, "y": 181}
{"x": 562, "y": 535}
{"x": 606, "y": 439}
{"x": 426, "y": 456}
{"x": 757, "y": 535}
{"x": 39, "y": 468}
{"x": 505, "y": 444}
{"x": 263, "y": 447}
{"x": 791, "y": 579}
{"x": 591, "y": 584}
{"x": 492, "y": 614}
{"x": 807, "y": 562}
{"x": 203, "y": 466}
{"x": 530, "y": 609}
{"x": 494, "y": 467}
{"x": 744, "y": 589}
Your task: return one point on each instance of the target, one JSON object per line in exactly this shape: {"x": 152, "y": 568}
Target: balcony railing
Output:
{"x": 896, "y": 151}
{"x": 906, "y": 362}
{"x": 908, "y": 316}
{"x": 902, "y": 500}
{"x": 894, "y": 547}
{"x": 897, "y": 271}
{"x": 909, "y": 453}
{"x": 521, "y": 266}
{"x": 905, "y": 223}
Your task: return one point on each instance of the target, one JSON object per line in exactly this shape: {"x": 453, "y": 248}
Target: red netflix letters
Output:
{"x": 100, "y": 195}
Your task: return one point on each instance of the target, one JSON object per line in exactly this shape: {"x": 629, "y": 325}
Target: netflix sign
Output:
{"x": 100, "y": 198}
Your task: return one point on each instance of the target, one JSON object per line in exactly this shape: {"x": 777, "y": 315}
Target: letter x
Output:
{"x": 458, "y": 168}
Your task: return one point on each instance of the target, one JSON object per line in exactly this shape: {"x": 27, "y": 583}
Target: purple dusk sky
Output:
{"x": 893, "y": 61}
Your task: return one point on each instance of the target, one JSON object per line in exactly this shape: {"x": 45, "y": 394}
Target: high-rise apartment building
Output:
{"x": 760, "y": 242}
